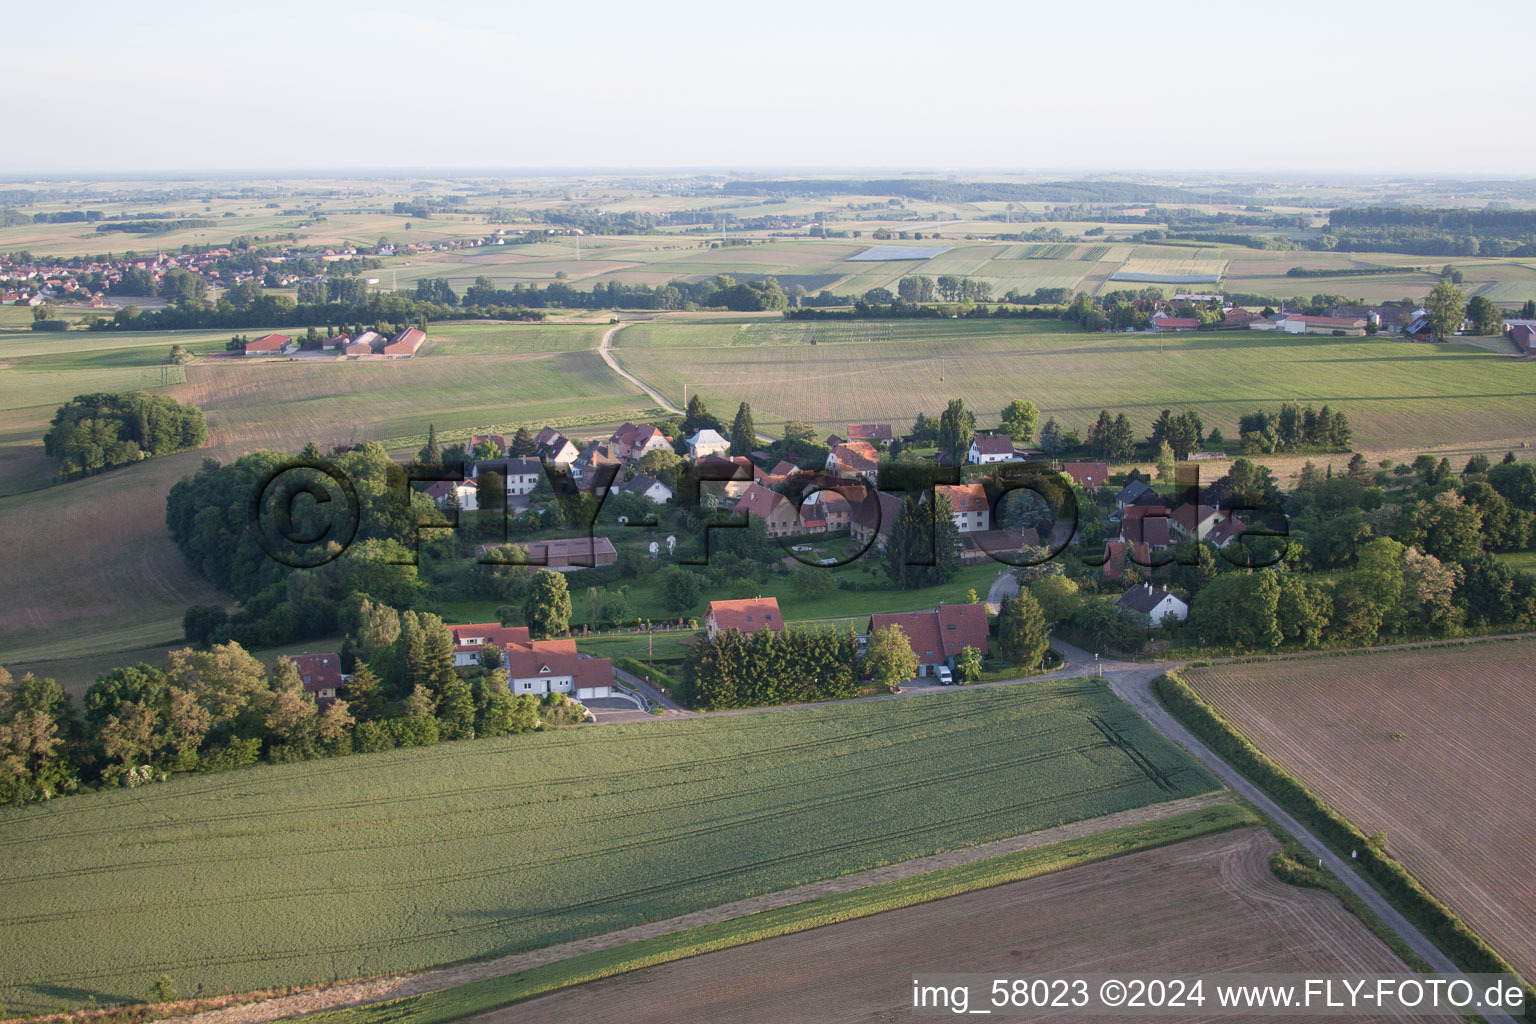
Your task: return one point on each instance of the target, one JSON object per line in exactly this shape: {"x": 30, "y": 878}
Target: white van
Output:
{"x": 944, "y": 675}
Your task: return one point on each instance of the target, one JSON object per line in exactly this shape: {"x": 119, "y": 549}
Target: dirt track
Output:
{"x": 1208, "y": 904}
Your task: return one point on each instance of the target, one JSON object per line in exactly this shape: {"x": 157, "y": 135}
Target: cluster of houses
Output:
{"x": 534, "y": 667}
{"x": 367, "y": 344}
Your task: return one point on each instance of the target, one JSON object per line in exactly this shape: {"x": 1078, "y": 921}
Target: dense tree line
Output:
{"x": 1432, "y": 231}
{"x": 1294, "y": 429}
{"x": 94, "y": 433}
{"x": 267, "y": 310}
{"x": 737, "y": 670}
{"x": 220, "y": 708}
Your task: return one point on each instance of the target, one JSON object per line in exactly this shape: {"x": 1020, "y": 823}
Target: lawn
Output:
{"x": 282, "y": 874}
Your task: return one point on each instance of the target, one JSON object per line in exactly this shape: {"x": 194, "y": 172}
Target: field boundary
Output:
{"x": 490, "y": 993}
{"x": 1465, "y": 946}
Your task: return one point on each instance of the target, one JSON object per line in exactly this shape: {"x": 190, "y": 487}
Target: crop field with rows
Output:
{"x": 1431, "y": 747}
{"x": 281, "y": 874}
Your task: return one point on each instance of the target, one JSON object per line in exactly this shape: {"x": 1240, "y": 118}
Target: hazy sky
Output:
{"x": 1390, "y": 86}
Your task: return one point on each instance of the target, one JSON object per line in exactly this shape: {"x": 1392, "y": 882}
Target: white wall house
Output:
{"x": 1154, "y": 604}
{"x": 989, "y": 448}
{"x": 707, "y": 442}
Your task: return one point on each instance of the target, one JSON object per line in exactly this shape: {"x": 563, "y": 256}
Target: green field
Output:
{"x": 277, "y": 875}
{"x": 1396, "y": 395}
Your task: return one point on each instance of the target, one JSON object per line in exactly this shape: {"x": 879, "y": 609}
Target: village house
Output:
{"x": 939, "y": 635}
{"x": 779, "y": 515}
{"x": 1090, "y": 476}
{"x": 555, "y": 447}
{"x": 1153, "y": 604}
{"x": 870, "y": 523}
{"x": 829, "y": 511}
{"x": 595, "y": 468}
{"x": 870, "y": 432}
{"x": 968, "y": 504}
{"x": 1134, "y": 491}
{"x": 1163, "y": 322}
{"x": 707, "y": 442}
{"x": 497, "y": 441}
{"x": 649, "y": 488}
{"x": 271, "y": 345}
{"x": 854, "y": 459}
{"x": 322, "y": 677}
{"x": 726, "y": 477}
{"x": 752, "y": 615}
{"x": 633, "y": 440}
{"x": 470, "y": 638}
{"x": 542, "y": 667}
{"x": 987, "y": 449}
{"x": 1191, "y": 522}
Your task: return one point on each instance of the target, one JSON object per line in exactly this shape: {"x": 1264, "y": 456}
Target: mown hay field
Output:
{"x": 1396, "y": 394}
{"x": 370, "y": 864}
{"x": 1430, "y": 746}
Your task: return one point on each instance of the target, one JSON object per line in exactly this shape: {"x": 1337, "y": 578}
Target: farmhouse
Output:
{"x": 470, "y": 638}
{"x": 968, "y": 503}
{"x": 751, "y": 615}
{"x": 780, "y": 518}
{"x": 1090, "y": 476}
{"x": 939, "y": 635}
{"x": 572, "y": 553}
{"x": 633, "y": 440}
{"x": 271, "y": 345}
{"x": 1132, "y": 491}
{"x": 649, "y": 488}
{"x": 543, "y": 667}
{"x": 405, "y": 344}
{"x": 322, "y": 677}
{"x": 870, "y": 432}
{"x": 707, "y": 442}
{"x": 1162, "y": 322}
{"x": 1153, "y": 604}
{"x": 1524, "y": 337}
{"x": 854, "y": 459}
{"x": 332, "y": 342}
{"x": 871, "y": 521}
{"x": 989, "y": 448}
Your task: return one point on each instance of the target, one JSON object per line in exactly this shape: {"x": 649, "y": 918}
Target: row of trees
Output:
{"x": 736, "y": 670}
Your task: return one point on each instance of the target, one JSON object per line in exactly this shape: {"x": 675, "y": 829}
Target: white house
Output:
{"x": 649, "y": 488}
{"x": 468, "y": 495}
{"x": 968, "y": 503}
{"x": 552, "y": 666}
{"x": 1153, "y": 604}
{"x": 521, "y": 476}
{"x": 989, "y": 448}
{"x": 707, "y": 442}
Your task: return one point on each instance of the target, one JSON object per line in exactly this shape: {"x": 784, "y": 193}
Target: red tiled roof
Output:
{"x": 1175, "y": 321}
{"x": 964, "y": 497}
{"x": 318, "y": 671}
{"x": 750, "y": 615}
{"x": 940, "y": 633}
{"x": 869, "y": 432}
{"x": 268, "y": 343}
{"x": 857, "y": 456}
{"x": 486, "y": 634}
{"x": 1087, "y": 474}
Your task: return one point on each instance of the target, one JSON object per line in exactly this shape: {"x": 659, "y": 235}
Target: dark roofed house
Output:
{"x": 1131, "y": 491}
{"x": 939, "y": 635}
{"x": 874, "y": 519}
{"x": 1153, "y": 604}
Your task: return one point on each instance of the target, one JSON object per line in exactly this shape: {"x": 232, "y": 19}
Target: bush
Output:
{"x": 50, "y": 325}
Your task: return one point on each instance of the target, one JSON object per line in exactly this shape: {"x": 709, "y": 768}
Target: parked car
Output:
{"x": 946, "y": 678}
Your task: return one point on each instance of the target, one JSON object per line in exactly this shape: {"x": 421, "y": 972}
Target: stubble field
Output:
{"x": 1208, "y": 904}
{"x": 1430, "y": 746}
